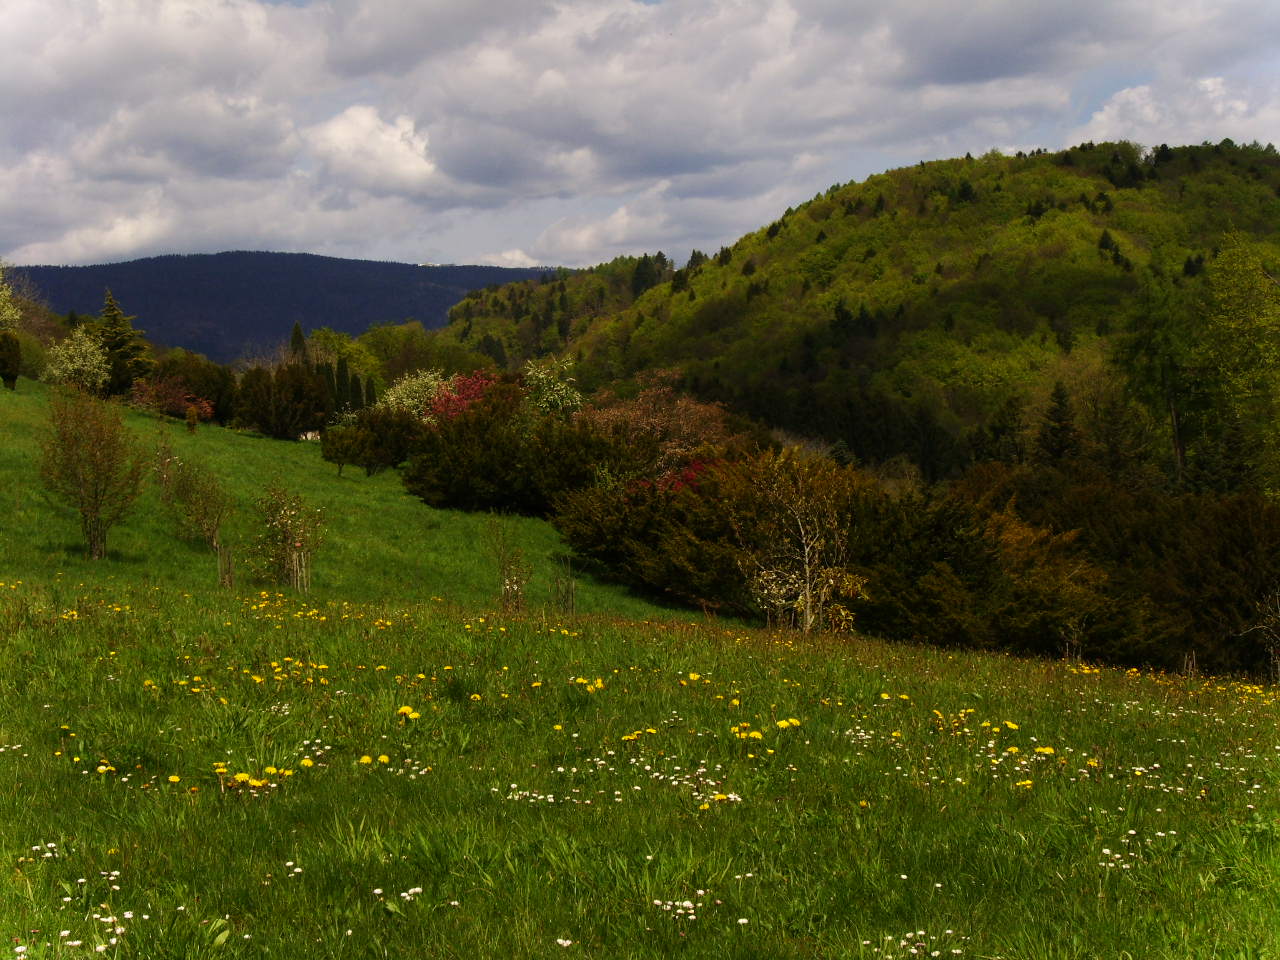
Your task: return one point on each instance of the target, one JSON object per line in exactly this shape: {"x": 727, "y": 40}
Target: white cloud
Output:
{"x": 562, "y": 130}
{"x": 1207, "y": 109}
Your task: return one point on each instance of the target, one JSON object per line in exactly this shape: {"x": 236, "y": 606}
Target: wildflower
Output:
{"x": 366, "y": 759}
{"x": 383, "y": 758}
{"x": 306, "y": 762}
{"x": 174, "y": 778}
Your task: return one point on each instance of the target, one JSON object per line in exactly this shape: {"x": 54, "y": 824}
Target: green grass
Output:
{"x": 380, "y": 542}
{"x": 581, "y": 781}
{"x": 188, "y": 762}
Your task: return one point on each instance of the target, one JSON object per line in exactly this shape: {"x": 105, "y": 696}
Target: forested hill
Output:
{"x": 911, "y": 314}
{"x": 225, "y": 305}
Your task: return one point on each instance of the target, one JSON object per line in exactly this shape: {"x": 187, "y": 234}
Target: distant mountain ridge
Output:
{"x": 229, "y": 305}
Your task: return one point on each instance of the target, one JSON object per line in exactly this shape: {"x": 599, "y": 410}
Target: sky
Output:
{"x": 563, "y": 132}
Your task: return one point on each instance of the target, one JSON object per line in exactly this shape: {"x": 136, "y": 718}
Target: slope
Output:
{"x": 901, "y": 314}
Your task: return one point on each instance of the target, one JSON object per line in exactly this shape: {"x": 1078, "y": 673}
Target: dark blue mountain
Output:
{"x": 229, "y": 305}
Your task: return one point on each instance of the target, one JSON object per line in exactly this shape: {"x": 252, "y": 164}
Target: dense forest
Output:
{"x": 231, "y": 305}
{"x": 1015, "y": 402}
{"x": 908, "y": 315}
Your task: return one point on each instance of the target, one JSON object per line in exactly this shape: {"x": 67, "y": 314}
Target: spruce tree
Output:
{"x": 1058, "y": 439}
{"x": 298, "y": 352}
{"x": 126, "y": 352}
{"x": 342, "y": 387}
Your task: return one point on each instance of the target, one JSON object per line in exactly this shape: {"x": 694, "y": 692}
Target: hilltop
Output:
{"x": 228, "y": 305}
{"x": 901, "y": 316}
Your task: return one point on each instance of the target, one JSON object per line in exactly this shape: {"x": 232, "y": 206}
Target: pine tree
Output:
{"x": 126, "y": 352}
{"x": 1058, "y": 439}
{"x": 342, "y": 387}
{"x": 298, "y": 346}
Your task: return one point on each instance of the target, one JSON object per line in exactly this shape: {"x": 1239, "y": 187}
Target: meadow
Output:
{"x": 387, "y": 768}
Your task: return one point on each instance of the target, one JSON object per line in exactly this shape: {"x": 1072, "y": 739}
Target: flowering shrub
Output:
{"x": 169, "y": 396}
{"x": 460, "y": 393}
{"x": 413, "y": 393}
{"x": 292, "y": 532}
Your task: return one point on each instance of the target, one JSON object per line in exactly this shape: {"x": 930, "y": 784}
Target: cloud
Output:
{"x": 563, "y": 131}
{"x": 1207, "y": 109}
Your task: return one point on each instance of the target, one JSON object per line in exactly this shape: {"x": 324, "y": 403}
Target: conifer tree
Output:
{"x": 356, "y": 393}
{"x": 1058, "y": 439}
{"x": 10, "y": 359}
{"x": 298, "y": 346}
{"x": 127, "y": 358}
{"x": 342, "y": 387}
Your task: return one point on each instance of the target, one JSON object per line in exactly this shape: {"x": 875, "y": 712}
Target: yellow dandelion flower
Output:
{"x": 174, "y": 778}
{"x": 306, "y": 762}
{"x": 366, "y": 759}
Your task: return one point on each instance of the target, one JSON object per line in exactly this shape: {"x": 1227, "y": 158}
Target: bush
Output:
{"x": 92, "y": 463}
{"x": 10, "y": 359}
{"x": 292, "y": 532}
{"x": 494, "y": 454}
{"x": 197, "y": 500}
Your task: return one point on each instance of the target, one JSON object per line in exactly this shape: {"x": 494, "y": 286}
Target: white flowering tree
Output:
{"x": 414, "y": 392}
{"x": 10, "y": 315}
{"x": 550, "y": 386}
{"x": 78, "y": 361}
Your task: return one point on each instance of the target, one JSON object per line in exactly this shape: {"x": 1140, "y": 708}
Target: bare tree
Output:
{"x": 92, "y": 463}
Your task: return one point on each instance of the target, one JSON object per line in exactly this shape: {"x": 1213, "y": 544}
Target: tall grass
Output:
{"x": 337, "y": 779}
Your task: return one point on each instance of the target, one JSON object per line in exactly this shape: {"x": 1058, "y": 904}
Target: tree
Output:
{"x": 127, "y": 358}
{"x": 10, "y": 315}
{"x": 92, "y": 463}
{"x": 78, "y": 361}
{"x": 791, "y": 514}
{"x": 1241, "y": 344}
{"x": 1058, "y": 439}
{"x": 10, "y": 359}
{"x": 298, "y": 352}
{"x": 255, "y": 399}
{"x": 300, "y": 403}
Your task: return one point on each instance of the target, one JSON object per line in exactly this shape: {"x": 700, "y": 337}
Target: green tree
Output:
{"x": 1058, "y": 438}
{"x": 10, "y": 359}
{"x": 1241, "y": 344}
{"x": 127, "y": 358}
{"x": 255, "y": 399}
{"x": 92, "y": 463}
{"x": 298, "y": 351}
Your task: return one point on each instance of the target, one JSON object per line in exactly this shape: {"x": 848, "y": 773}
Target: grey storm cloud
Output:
{"x": 533, "y": 131}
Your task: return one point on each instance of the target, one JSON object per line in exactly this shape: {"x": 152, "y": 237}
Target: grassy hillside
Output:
{"x": 381, "y": 544}
{"x": 899, "y": 314}
{"x": 196, "y": 776}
